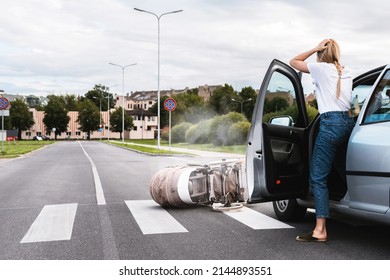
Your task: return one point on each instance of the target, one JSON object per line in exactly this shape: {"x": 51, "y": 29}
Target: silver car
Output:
{"x": 280, "y": 142}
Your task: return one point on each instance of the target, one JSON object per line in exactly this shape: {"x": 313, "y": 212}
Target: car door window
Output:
{"x": 378, "y": 109}
{"x": 280, "y": 99}
{"x": 361, "y": 92}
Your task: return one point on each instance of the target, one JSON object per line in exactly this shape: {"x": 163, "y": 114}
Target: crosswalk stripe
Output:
{"x": 54, "y": 223}
{"x": 255, "y": 220}
{"x": 152, "y": 218}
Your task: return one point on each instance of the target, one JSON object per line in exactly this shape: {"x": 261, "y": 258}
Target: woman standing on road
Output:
{"x": 333, "y": 85}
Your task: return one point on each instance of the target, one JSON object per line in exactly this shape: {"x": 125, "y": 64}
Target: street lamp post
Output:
{"x": 108, "y": 116}
{"x": 242, "y": 102}
{"x": 108, "y": 112}
{"x": 2, "y": 128}
{"x": 123, "y": 94}
{"x": 158, "y": 67}
{"x": 100, "y": 114}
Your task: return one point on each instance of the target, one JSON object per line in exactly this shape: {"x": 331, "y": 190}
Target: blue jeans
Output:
{"x": 335, "y": 129}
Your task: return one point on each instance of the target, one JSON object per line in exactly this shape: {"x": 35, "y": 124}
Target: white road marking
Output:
{"x": 54, "y": 223}
{"x": 98, "y": 184}
{"x": 255, "y": 220}
{"x": 152, "y": 218}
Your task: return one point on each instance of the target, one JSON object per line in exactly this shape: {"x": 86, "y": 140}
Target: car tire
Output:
{"x": 289, "y": 210}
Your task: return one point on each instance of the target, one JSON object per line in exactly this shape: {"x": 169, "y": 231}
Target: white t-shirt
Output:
{"x": 325, "y": 79}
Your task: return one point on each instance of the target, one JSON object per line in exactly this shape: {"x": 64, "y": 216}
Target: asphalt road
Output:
{"x": 49, "y": 209}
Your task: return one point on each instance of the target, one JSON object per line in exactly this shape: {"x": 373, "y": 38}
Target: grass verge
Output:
{"x": 18, "y": 148}
{"x": 235, "y": 149}
{"x": 144, "y": 149}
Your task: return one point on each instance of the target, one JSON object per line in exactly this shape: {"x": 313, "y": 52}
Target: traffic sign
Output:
{"x": 170, "y": 104}
{"x": 4, "y": 103}
{"x": 4, "y": 113}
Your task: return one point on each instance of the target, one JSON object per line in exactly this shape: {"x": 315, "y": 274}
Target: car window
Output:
{"x": 280, "y": 99}
{"x": 378, "y": 108}
{"x": 361, "y": 92}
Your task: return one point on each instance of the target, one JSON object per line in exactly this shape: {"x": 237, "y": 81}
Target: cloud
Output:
{"x": 65, "y": 46}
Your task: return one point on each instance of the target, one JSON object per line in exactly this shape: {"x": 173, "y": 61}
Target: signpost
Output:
{"x": 4, "y": 104}
{"x": 170, "y": 105}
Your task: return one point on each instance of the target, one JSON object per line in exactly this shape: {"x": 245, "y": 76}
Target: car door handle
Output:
{"x": 259, "y": 154}
{"x": 293, "y": 133}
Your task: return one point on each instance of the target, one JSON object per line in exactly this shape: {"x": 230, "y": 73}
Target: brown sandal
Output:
{"x": 308, "y": 237}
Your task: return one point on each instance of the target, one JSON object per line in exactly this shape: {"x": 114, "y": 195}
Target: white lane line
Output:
{"x": 98, "y": 184}
{"x": 255, "y": 220}
{"x": 54, "y": 223}
{"x": 152, "y": 218}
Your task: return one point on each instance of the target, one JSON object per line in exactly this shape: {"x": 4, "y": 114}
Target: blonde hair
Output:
{"x": 332, "y": 55}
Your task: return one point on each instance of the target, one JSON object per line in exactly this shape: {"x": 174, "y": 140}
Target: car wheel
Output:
{"x": 289, "y": 210}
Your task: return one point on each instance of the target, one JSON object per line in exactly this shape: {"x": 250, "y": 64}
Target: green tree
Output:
{"x": 221, "y": 100}
{"x": 116, "y": 122}
{"x": 275, "y": 104}
{"x": 7, "y": 123}
{"x": 248, "y": 97}
{"x": 100, "y": 93}
{"x": 56, "y": 115}
{"x": 21, "y": 117}
{"x": 89, "y": 117}
{"x": 71, "y": 102}
{"x": 40, "y": 107}
{"x": 164, "y": 114}
{"x": 190, "y": 108}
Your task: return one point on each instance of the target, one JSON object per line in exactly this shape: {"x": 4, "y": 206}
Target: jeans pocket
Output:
{"x": 335, "y": 133}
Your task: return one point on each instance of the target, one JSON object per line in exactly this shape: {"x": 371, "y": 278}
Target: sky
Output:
{"x": 65, "y": 46}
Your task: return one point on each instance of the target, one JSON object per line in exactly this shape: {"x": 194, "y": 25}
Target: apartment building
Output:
{"x": 144, "y": 125}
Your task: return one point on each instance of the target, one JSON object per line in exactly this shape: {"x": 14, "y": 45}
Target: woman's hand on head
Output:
{"x": 322, "y": 45}
{"x": 299, "y": 63}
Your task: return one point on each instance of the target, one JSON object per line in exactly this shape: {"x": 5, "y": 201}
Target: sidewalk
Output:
{"x": 192, "y": 151}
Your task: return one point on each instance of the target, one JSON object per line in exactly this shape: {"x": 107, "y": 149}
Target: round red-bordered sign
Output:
{"x": 4, "y": 103}
{"x": 170, "y": 104}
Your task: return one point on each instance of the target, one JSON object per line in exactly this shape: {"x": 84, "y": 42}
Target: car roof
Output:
{"x": 369, "y": 77}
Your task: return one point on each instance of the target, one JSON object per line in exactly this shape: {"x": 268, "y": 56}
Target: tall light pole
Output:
{"x": 158, "y": 67}
{"x": 108, "y": 113}
{"x": 100, "y": 114}
{"x": 242, "y": 102}
{"x": 123, "y": 94}
{"x": 2, "y": 128}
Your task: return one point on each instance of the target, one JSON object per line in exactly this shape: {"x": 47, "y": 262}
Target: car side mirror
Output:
{"x": 282, "y": 120}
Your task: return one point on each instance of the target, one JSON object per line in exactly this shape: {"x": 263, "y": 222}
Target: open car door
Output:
{"x": 277, "y": 154}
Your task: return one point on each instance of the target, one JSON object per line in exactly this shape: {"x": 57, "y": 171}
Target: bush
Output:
{"x": 220, "y": 125}
{"x": 179, "y": 131}
{"x": 312, "y": 112}
{"x": 238, "y": 133}
{"x": 198, "y": 133}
